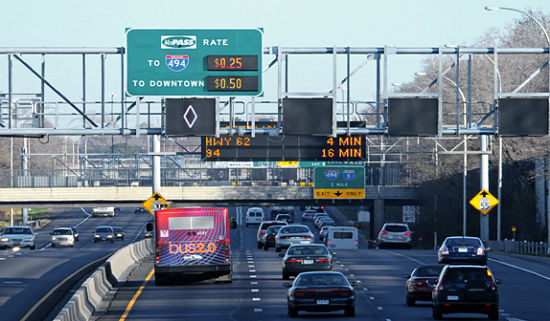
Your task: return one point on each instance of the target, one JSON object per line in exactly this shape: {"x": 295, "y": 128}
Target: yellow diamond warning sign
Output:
{"x": 484, "y": 201}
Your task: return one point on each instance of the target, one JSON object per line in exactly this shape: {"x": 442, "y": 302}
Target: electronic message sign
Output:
{"x": 262, "y": 148}
{"x": 194, "y": 62}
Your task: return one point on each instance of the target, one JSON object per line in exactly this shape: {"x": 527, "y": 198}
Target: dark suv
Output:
{"x": 465, "y": 288}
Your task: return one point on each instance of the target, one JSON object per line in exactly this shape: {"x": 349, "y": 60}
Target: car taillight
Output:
{"x": 493, "y": 285}
{"x": 270, "y": 236}
{"x": 345, "y": 293}
{"x": 408, "y": 233}
{"x": 293, "y": 261}
{"x": 306, "y": 236}
{"x": 480, "y": 251}
{"x": 299, "y": 293}
{"x": 262, "y": 232}
{"x": 417, "y": 282}
{"x": 383, "y": 233}
{"x": 445, "y": 251}
{"x": 284, "y": 237}
{"x": 323, "y": 260}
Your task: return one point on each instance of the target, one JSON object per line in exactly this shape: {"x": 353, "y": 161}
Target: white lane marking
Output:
{"x": 83, "y": 210}
{"x": 371, "y": 298}
{"x": 256, "y": 299}
{"x": 255, "y": 290}
{"x": 406, "y": 256}
{"x": 352, "y": 275}
{"x": 252, "y": 271}
{"x": 365, "y": 289}
{"x": 388, "y": 319}
{"x": 253, "y": 283}
{"x": 2, "y": 258}
{"x": 514, "y": 319}
{"x": 521, "y": 269}
{"x": 257, "y": 309}
{"x": 379, "y": 308}
{"x": 251, "y": 266}
{"x": 253, "y": 276}
{"x": 12, "y": 282}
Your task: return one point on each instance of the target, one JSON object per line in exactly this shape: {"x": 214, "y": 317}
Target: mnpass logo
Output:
{"x": 178, "y": 42}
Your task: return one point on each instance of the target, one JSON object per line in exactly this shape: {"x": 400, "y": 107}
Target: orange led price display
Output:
{"x": 232, "y": 63}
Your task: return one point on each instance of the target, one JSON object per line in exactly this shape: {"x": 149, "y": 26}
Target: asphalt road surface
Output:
{"x": 26, "y": 276}
{"x": 257, "y": 291}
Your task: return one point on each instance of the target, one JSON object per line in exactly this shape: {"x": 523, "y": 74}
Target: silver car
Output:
{"x": 395, "y": 234}
{"x": 62, "y": 236}
{"x": 292, "y": 234}
{"x": 18, "y": 236}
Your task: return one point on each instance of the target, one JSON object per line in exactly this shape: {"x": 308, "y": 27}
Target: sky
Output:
{"x": 287, "y": 23}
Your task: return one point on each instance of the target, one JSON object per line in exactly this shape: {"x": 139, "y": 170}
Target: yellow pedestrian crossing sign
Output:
{"x": 155, "y": 202}
{"x": 484, "y": 201}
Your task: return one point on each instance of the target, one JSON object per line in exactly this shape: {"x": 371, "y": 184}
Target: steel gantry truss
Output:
{"x": 56, "y": 111}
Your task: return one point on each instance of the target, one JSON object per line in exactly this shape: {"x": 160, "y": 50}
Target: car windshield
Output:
{"x": 64, "y": 231}
{"x": 462, "y": 242}
{"x": 104, "y": 230}
{"x": 396, "y": 228}
{"x": 294, "y": 229}
{"x": 17, "y": 230}
{"x": 307, "y": 250}
{"x": 117, "y": 229}
{"x": 466, "y": 275}
{"x": 322, "y": 279}
{"x": 428, "y": 271}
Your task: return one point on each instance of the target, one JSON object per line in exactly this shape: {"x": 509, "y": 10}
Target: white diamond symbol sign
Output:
{"x": 194, "y": 116}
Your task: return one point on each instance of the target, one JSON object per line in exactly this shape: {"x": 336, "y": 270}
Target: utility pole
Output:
{"x": 484, "y": 182}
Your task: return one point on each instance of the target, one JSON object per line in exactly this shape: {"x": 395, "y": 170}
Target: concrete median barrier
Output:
{"x": 90, "y": 296}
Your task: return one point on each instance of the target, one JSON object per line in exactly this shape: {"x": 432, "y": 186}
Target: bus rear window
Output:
{"x": 191, "y": 222}
{"x": 343, "y": 235}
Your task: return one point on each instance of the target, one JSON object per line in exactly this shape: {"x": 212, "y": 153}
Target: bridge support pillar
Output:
{"x": 378, "y": 217}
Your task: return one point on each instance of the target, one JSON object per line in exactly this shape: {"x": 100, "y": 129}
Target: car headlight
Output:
{"x": 119, "y": 235}
{"x": 95, "y": 235}
{"x": 54, "y": 238}
{"x": 29, "y": 240}
{"x": 109, "y": 236}
{"x": 4, "y": 239}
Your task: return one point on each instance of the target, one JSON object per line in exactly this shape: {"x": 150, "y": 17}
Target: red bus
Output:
{"x": 192, "y": 241}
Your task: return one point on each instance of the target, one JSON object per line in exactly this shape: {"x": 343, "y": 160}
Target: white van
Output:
{"x": 342, "y": 237}
{"x": 254, "y": 215}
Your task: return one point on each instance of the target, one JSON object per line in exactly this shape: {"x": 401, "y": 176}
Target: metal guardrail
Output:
{"x": 521, "y": 247}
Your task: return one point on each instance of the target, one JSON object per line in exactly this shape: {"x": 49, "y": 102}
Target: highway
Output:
{"x": 26, "y": 277}
{"x": 257, "y": 291}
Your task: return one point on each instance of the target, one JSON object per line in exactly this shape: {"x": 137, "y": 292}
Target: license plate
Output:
{"x": 322, "y": 302}
{"x": 308, "y": 261}
{"x": 462, "y": 250}
{"x": 452, "y": 297}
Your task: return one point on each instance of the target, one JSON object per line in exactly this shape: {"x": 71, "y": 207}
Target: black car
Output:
{"x": 465, "y": 288}
{"x": 75, "y": 233}
{"x": 320, "y": 291}
{"x": 302, "y": 258}
{"x": 462, "y": 250}
{"x": 269, "y": 236}
{"x": 419, "y": 284}
{"x": 119, "y": 232}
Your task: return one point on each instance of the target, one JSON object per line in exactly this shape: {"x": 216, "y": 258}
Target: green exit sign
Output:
{"x": 194, "y": 62}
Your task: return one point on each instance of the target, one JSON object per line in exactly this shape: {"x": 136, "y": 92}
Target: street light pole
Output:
{"x": 489, "y": 8}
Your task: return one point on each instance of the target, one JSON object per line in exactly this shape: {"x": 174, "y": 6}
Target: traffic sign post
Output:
{"x": 339, "y": 182}
{"x": 194, "y": 62}
{"x": 484, "y": 201}
{"x": 155, "y": 202}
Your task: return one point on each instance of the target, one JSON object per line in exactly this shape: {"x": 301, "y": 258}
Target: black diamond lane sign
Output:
{"x": 191, "y": 116}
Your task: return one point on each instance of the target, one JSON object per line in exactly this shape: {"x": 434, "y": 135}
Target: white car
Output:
{"x": 18, "y": 236}
{"x": 62, "y": 236}
{"x": 254, "y": 215}
{"x": 293, "y": 234}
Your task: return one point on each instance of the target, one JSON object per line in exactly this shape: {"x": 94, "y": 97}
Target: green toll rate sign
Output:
{"x": 194, "y": 62}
